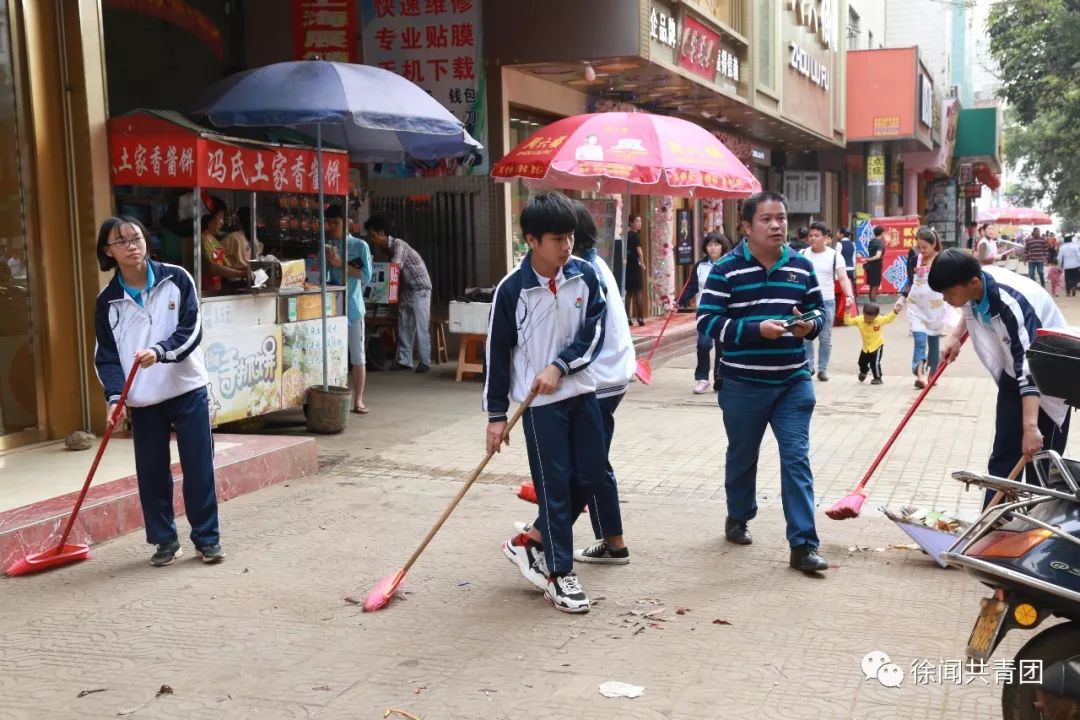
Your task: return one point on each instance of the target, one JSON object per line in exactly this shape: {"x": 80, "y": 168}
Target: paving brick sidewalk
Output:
{"x": 269, "y": 633}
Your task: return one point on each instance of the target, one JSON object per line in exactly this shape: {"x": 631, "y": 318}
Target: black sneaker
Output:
{"x": 166, "y": 554}
{"x": 602, "y": 553}
{"x": 877, "y": 381}
{"x": 806, "y": 558}
{"x": 737, "y": 532}
{"x": 422, "y": 368}
{"x": 529, "y": 558}
{"x": 398, "y": 367}
{"x": 862, "y": 376}
{"x": 210, "y": 553}
{"x": 565, "y": 593}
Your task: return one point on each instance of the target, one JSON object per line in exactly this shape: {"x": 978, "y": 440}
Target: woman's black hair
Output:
{"x": 105, "y": 262}
{"x": 717, "y": 237}
{"x": 930, "y": 235}
{"x": 585, "y": 234}
{"x": 549, "y": 212}
{"x": 953, "y": 267}
{"x": 634, "y": 217}
{"x": 750, "y": 204}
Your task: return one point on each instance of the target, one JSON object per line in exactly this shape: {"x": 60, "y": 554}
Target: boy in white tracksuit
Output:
{"x": 149, "y": 314}
{"x": 546, "y": 330}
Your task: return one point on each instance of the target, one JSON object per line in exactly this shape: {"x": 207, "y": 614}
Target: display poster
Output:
{"x": 684, "y": 236}
{"x": 302, "y": 357}
{"x": 942, "y": 210}
{"x": 605, "y": 213}
{"x": 899, "y": 237}
{"x": 244, "y": 368}
{"x": 324, "y": 29}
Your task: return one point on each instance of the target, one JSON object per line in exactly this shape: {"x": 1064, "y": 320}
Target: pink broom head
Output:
{"x": 847, "y": 507}
{"x": 644, "y": 371}
{"x": 383, "y": 592}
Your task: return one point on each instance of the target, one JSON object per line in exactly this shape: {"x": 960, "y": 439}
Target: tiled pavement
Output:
{"x": 269, "y": 633}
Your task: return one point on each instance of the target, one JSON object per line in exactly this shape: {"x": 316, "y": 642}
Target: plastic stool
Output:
{"x": 471, "y": 355}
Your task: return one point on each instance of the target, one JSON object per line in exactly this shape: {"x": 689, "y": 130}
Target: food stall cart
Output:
{"x": 262, "y": 342}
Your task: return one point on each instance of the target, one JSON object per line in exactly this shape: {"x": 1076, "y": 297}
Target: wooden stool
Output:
{"x": 441, "y": 353}
{"x": 470, "y": 358}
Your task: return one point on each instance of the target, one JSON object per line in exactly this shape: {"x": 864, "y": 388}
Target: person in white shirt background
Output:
{"x": 1069, "y": 257}
{"x": 829, "y": 267}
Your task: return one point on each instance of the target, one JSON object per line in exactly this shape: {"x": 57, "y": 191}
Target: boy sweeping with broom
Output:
{"x": 546, "y": 328}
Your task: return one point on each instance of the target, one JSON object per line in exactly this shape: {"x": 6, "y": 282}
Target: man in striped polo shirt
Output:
{"x": 747, "y": 298}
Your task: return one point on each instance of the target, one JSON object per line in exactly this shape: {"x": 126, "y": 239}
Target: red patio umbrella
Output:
{"x": 1014, "y": 216}
{"x": 620, "y": 152}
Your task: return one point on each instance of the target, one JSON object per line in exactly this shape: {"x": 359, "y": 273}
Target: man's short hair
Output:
{"x": 951, "y": 268}
{"x": 820, "y": 227}
{"x": 334, "y": 212}
{"x": 750, "y": 204}
{"x": 378, "y": 223}
{"x": 548, "y": 212}
{"x": 878, "y": 231}
{"x": 845, "y": 232}
{"x": 803, "y": 232}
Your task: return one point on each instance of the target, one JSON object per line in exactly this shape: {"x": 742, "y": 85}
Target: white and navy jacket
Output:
{"x": 615, "y": 365}
{"x": 168, "y": 323}
{"x": 1002, "y": 326}
{"x": 531, "y": 328}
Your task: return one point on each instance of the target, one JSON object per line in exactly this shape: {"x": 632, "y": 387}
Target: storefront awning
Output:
{"x": 978, "y": 140}
{"x": 150, "y": 148}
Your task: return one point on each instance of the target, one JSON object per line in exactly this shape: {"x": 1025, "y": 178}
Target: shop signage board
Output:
{"x": 302, "y": 357}
{"x": 803, "y": 192}
{"x": 244, "y": 369}
{"x": 699, "y": 49}
{"x": 875, "y": 171}
{"x": 808, "y": 89}
{"x": 384, "y": 285}
{"x": 663, "y": 28}
{"x": 684, "y": 236}
{"x": 242, "y": 311}
{"x": 324, "y": 29}
{"x": 926, "y": 100}
{"x": 179, "y": 13}
{"x": 887, "y": 126}
{"x": 437, "y": 45}
{"x": 899, "y": 237}
{"x": 146, "y": 150}
{"x": 965, "y": 174}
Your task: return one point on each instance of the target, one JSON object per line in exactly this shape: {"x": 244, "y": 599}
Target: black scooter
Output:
{"x": 1026, "y": 549}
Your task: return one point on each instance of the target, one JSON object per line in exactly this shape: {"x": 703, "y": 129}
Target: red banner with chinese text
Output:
{"x": 324, "y": 29}
{"x": 148, "y": 151}
{"x": 699, "y": 47}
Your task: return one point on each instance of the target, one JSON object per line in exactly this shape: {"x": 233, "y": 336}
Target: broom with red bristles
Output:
{"x": 850, "y": 505}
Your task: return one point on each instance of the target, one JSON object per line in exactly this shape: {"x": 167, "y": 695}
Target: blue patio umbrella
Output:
{"x": 377, "y": 115}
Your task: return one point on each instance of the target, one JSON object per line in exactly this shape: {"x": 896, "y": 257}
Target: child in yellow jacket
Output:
{"x": 871, "y": 326}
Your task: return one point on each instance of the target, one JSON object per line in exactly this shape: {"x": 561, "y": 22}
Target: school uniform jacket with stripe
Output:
{"x": 531, "y": 328}
{"x": 739, "y": 294}
{"x": 1015, "y": 308}
{"x": 168, "y": 322}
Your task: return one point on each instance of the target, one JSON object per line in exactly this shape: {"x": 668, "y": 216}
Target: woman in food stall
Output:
{"x": 214, "y": 268}
{"x": 237, "y": 244}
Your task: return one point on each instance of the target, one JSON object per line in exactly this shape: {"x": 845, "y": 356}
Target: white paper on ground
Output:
{"x": 616, "y": 689}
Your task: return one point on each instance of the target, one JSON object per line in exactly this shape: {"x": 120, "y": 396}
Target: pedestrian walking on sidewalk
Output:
{"x": 149, "y": 314}
{"x": 873, "y": 265}
{"x": 613, "y": 370}
{"x": 715, "y": 246}
{"x": 830, "y": 269}
{"x": 414, "y": 301}
{"x": 751, "y": 293}
{"x": 1036, "y": 252}
{"x": 871, "y": 326}
{"x": 1002, "y": 312}
{"x": 1069, "y": 255}
{"x": 546, "y": 330}
{"x": 928, "y": 313}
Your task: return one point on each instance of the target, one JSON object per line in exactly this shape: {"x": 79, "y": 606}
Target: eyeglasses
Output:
{"x": 127, "y": 242}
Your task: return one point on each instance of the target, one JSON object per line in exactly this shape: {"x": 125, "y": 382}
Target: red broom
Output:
{"x": 385, "y": 589}
{"x": 849, "y": 506}
{"x": 644, "y": 367}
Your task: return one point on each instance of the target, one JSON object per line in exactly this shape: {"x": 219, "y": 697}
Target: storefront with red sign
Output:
{"x": 210, "y": 200}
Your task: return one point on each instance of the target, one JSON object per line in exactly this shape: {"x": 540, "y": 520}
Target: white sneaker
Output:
{"x": 565, "y": 593}
{"x": 701, "y": 387}
{"x": 525, "y": 557}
